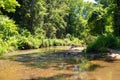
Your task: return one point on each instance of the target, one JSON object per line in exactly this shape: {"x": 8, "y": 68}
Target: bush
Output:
{"x": 45, "y": 43}
{"x": 58, "y": 42}
{"x": 7, "y": 28}
{"x": 8, "y": 45}
{"x": 55, "y": 42}
{"x": 23, "y": 43}
{"x": 77, "y": 41}
{"x": 12, "y": 43}
{"x": 2, "y": 47}
{"x": 28, "y": 42}
{"x": 102, "y": 43}
{"x": 8, "y": 33}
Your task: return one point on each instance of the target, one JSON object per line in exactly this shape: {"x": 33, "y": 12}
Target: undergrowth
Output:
{"x": 103, "y": 42}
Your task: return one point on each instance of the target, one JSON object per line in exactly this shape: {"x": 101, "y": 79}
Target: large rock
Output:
{"x": 113, "y": 56}
{"x": 77, "y": 47}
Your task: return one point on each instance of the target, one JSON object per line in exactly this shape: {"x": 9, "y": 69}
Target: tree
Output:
{"x": 96, "y": 21}
{"x": 79, "y": 14}
{"x": 8, "y": 5}
{"x": 54, "y": 20}
{"x": 22, "y": 15}
{"x": 8, "y": 28}
{"x": 117, "y": 17}
{"x": 101, "y": 20}
{"x": 43, "y": 15}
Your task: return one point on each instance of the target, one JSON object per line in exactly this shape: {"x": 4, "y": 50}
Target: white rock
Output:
{"x": 114, "y": 56}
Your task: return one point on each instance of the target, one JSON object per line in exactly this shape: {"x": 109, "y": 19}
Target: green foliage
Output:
{"x": 58, "y": 42}
{"x": 39, "y": 23}
{"x": 40, "y": 34}
{"x": 77, "y": 41}
{"x": 54, "y": 42}
{"x": 102, "y": 43}
{"x": 12, "y": 44}
{"x": 116, "y": 18}
{"x": 101, "y": 19}
{"x": 69, "y": 36}
{"x": 46, "y": 43}
{"x": 79, "y": 14}
{"x": 97, "y": 21}
{"x": 54, "y": 20}
{"x": 45, "y": 15}
{"x": 2, "y": 47}
{"x": 7, "y": 27}
{"x": 8, "y": 33}
{"x": 85, "y": 64}
{"x": 28, "y": 42}
{"x": 9, "y": 45}
{"x": 9, "y": 5}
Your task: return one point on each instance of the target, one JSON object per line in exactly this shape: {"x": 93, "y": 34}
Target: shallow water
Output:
{"x": 53, "y": 64}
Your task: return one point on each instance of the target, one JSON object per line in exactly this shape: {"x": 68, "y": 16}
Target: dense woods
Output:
{"x": 29, "y": 24}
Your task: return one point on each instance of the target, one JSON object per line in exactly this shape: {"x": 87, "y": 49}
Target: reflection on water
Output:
{"x": 57, "y": 64}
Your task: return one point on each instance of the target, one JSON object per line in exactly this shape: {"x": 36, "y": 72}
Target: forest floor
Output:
{"x": 53, "y": 64}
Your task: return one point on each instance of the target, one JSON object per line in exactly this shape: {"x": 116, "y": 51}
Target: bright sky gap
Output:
{"x": 90, "y": 1}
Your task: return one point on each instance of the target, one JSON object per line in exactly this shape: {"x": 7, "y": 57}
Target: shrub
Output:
{"x": 8, "y": 33}
{"x": 3, "y": 47}
{"x": 102, "y": 43}
{"x": 54, "y": 42}
{"x": 28, "y": 42}
{"x": 23, "y": 43}
{"x": 8, "y": 45}
{"x": 35, "y": 42}
{"x": 7, "y": 28}
{"x": 57, "y": 42}
{"x": 12, "y": 43}
{"x": 51, "y": 42}
{"x": 45, "y": 43}
{"x": 77, "y": 41}
{"x": 69, "y": 36}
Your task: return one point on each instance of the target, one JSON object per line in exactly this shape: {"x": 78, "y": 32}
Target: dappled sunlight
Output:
{"x": 56, "y": 65}
{"x": 59, "y": 40}
{"x": 17, "y": 71}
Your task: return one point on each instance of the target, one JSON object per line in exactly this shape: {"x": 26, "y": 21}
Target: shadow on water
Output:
{"x": 57, "y": 60}
{"x": 50, "y": 58}
{"x": 56, "y": 77}
{"x": 94, "y": 66}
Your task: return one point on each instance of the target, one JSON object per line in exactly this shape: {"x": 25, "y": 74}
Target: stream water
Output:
{"x": 54, "y": 63}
